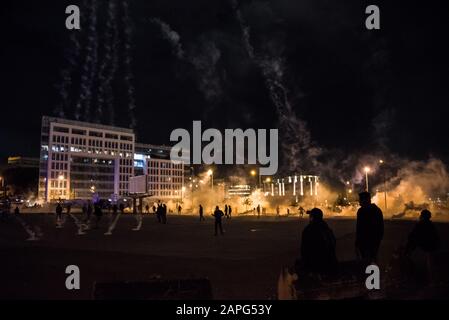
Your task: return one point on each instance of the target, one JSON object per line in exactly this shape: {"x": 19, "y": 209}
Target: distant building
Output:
{"x": 165, "y": 178}
{"x": 239, "y": 190}
{"x": 80, "y": 159}
{"x": 23, "y": 162}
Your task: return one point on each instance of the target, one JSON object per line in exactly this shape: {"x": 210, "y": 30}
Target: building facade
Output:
{"x": 79, "y": 160}
{"x": 165, "y": 178}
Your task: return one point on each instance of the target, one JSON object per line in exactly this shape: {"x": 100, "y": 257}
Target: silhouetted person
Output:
{"x": 98, "y": 214}
{"x": 229, "y": 212}
{"x": 164, "y": 213}
{"x": 201, "y": 213}
{"x": 122, "y": 208}
{"x": 318, "y": 245}
{"x": 288, "y": 212}
{"x": 58, "y": 212}
{"x": 159, "y": 213}
{"x": 277, "y": 211}
{"x": 258, "y": 211}
{"x": 424, "y": 235}
{"x": 17, "y": 211}
{"x": 89, "y": 211}
{"x": 370, "y": 228}
{"x": 147, "y": 209}
{"x": 226, "y": 210}
{"x": 218, "y": 214}
{"x": 84, "y": 210}
{"x": 301, "y": 211}
{"x": 179, "y": 209}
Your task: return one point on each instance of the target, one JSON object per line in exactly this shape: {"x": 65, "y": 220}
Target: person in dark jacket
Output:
{"x": 58, "y": 212}
{"x": 369, "y": 230}
{"x": 218, "y": 214}
{"x": 318, "y": 245}
{"x": 424, "y": 235}
{"x": 201, "y": 213}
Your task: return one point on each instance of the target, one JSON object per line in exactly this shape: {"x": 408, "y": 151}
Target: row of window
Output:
{"x": 166, "y": 165}
{"x": 59, "y": 166}
{"x": 164, "y": 186}
{"x": 165, "y": 172}
{"x": 92, "y": 133}
{"x": 156, "y": 178}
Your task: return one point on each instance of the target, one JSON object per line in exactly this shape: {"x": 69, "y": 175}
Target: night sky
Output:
{"x": 356, "y": 89}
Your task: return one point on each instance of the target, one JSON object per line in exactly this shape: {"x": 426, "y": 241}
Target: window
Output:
{"x": 95, "y": 134}
{"x": 61, "y": 129}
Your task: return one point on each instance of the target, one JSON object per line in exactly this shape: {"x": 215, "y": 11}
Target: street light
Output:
{"x": 367, "y": 170}
{"x": 211, "y": 175}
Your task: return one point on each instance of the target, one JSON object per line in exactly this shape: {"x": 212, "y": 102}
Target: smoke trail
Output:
{"x": 139, "y": 219}
{"x": 128, "y": 64}
{"x": 112, "y": 225}
{"x": 295, "y": 136}
{"x": 72, "y": 56}
{"x": 93, "y": 55}
{"x": 81, "y": 226}
{"x": 203, "y": 57}
{"x": 33, "y": 235}
{"x": 89, "y": 66}
{"x": 171, "y": 36}
{"x": 109, "y": 64}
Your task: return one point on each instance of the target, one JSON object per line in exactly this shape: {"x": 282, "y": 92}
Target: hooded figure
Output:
{"x": 318, "y": 245}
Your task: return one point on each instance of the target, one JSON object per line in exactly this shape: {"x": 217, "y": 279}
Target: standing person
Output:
{"x": 369, "y": 230}
{"x": 58, "y": 213}
{"x": 424, "y": 236}
{"x": 89, "y": 211}
{"x": 288, "y": 212}
{"x": 229, "y": 212}
{"x": 147, "y": 209}
{"x": 84, "y": 210}
{"x": 17, "y": 211}
{"x": 277, "y": 211}
{"x": 226, "y": 211}
{"x": 318, "y": 245}
{"x": 164, "y": 213}
{"x": 122, "y": 208}
{"x": 98, "y": 213}
{"x": 179, "y": 209}
{"x": 301, "y": 211}
{"x": 201, "y": 213}
{"x": 159, "y": 213}
{"x": 218, "y": 214}
{"x": 258, "y": 211}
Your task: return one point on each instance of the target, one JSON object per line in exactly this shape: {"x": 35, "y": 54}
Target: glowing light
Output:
{"x": 61, "y": 177}
{"x": 367, "y": 169}
{"x": 268, "y": 180}
{"x": 253, "y": 172}
{"x": 210, "y": 172}
{"x": 381, "y": 161}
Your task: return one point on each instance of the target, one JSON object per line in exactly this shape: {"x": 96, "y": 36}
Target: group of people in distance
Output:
{"x": 318, "y": 242}
{"x": 88, "y": 209}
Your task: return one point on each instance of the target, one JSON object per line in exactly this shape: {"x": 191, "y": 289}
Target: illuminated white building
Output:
{"x": 165, "y": 178}
{"x": 80, "y": 159}
{"x": 296, "y": 186}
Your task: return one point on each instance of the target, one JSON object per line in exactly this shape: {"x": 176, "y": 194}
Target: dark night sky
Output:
{"x": 341, "y": 77}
